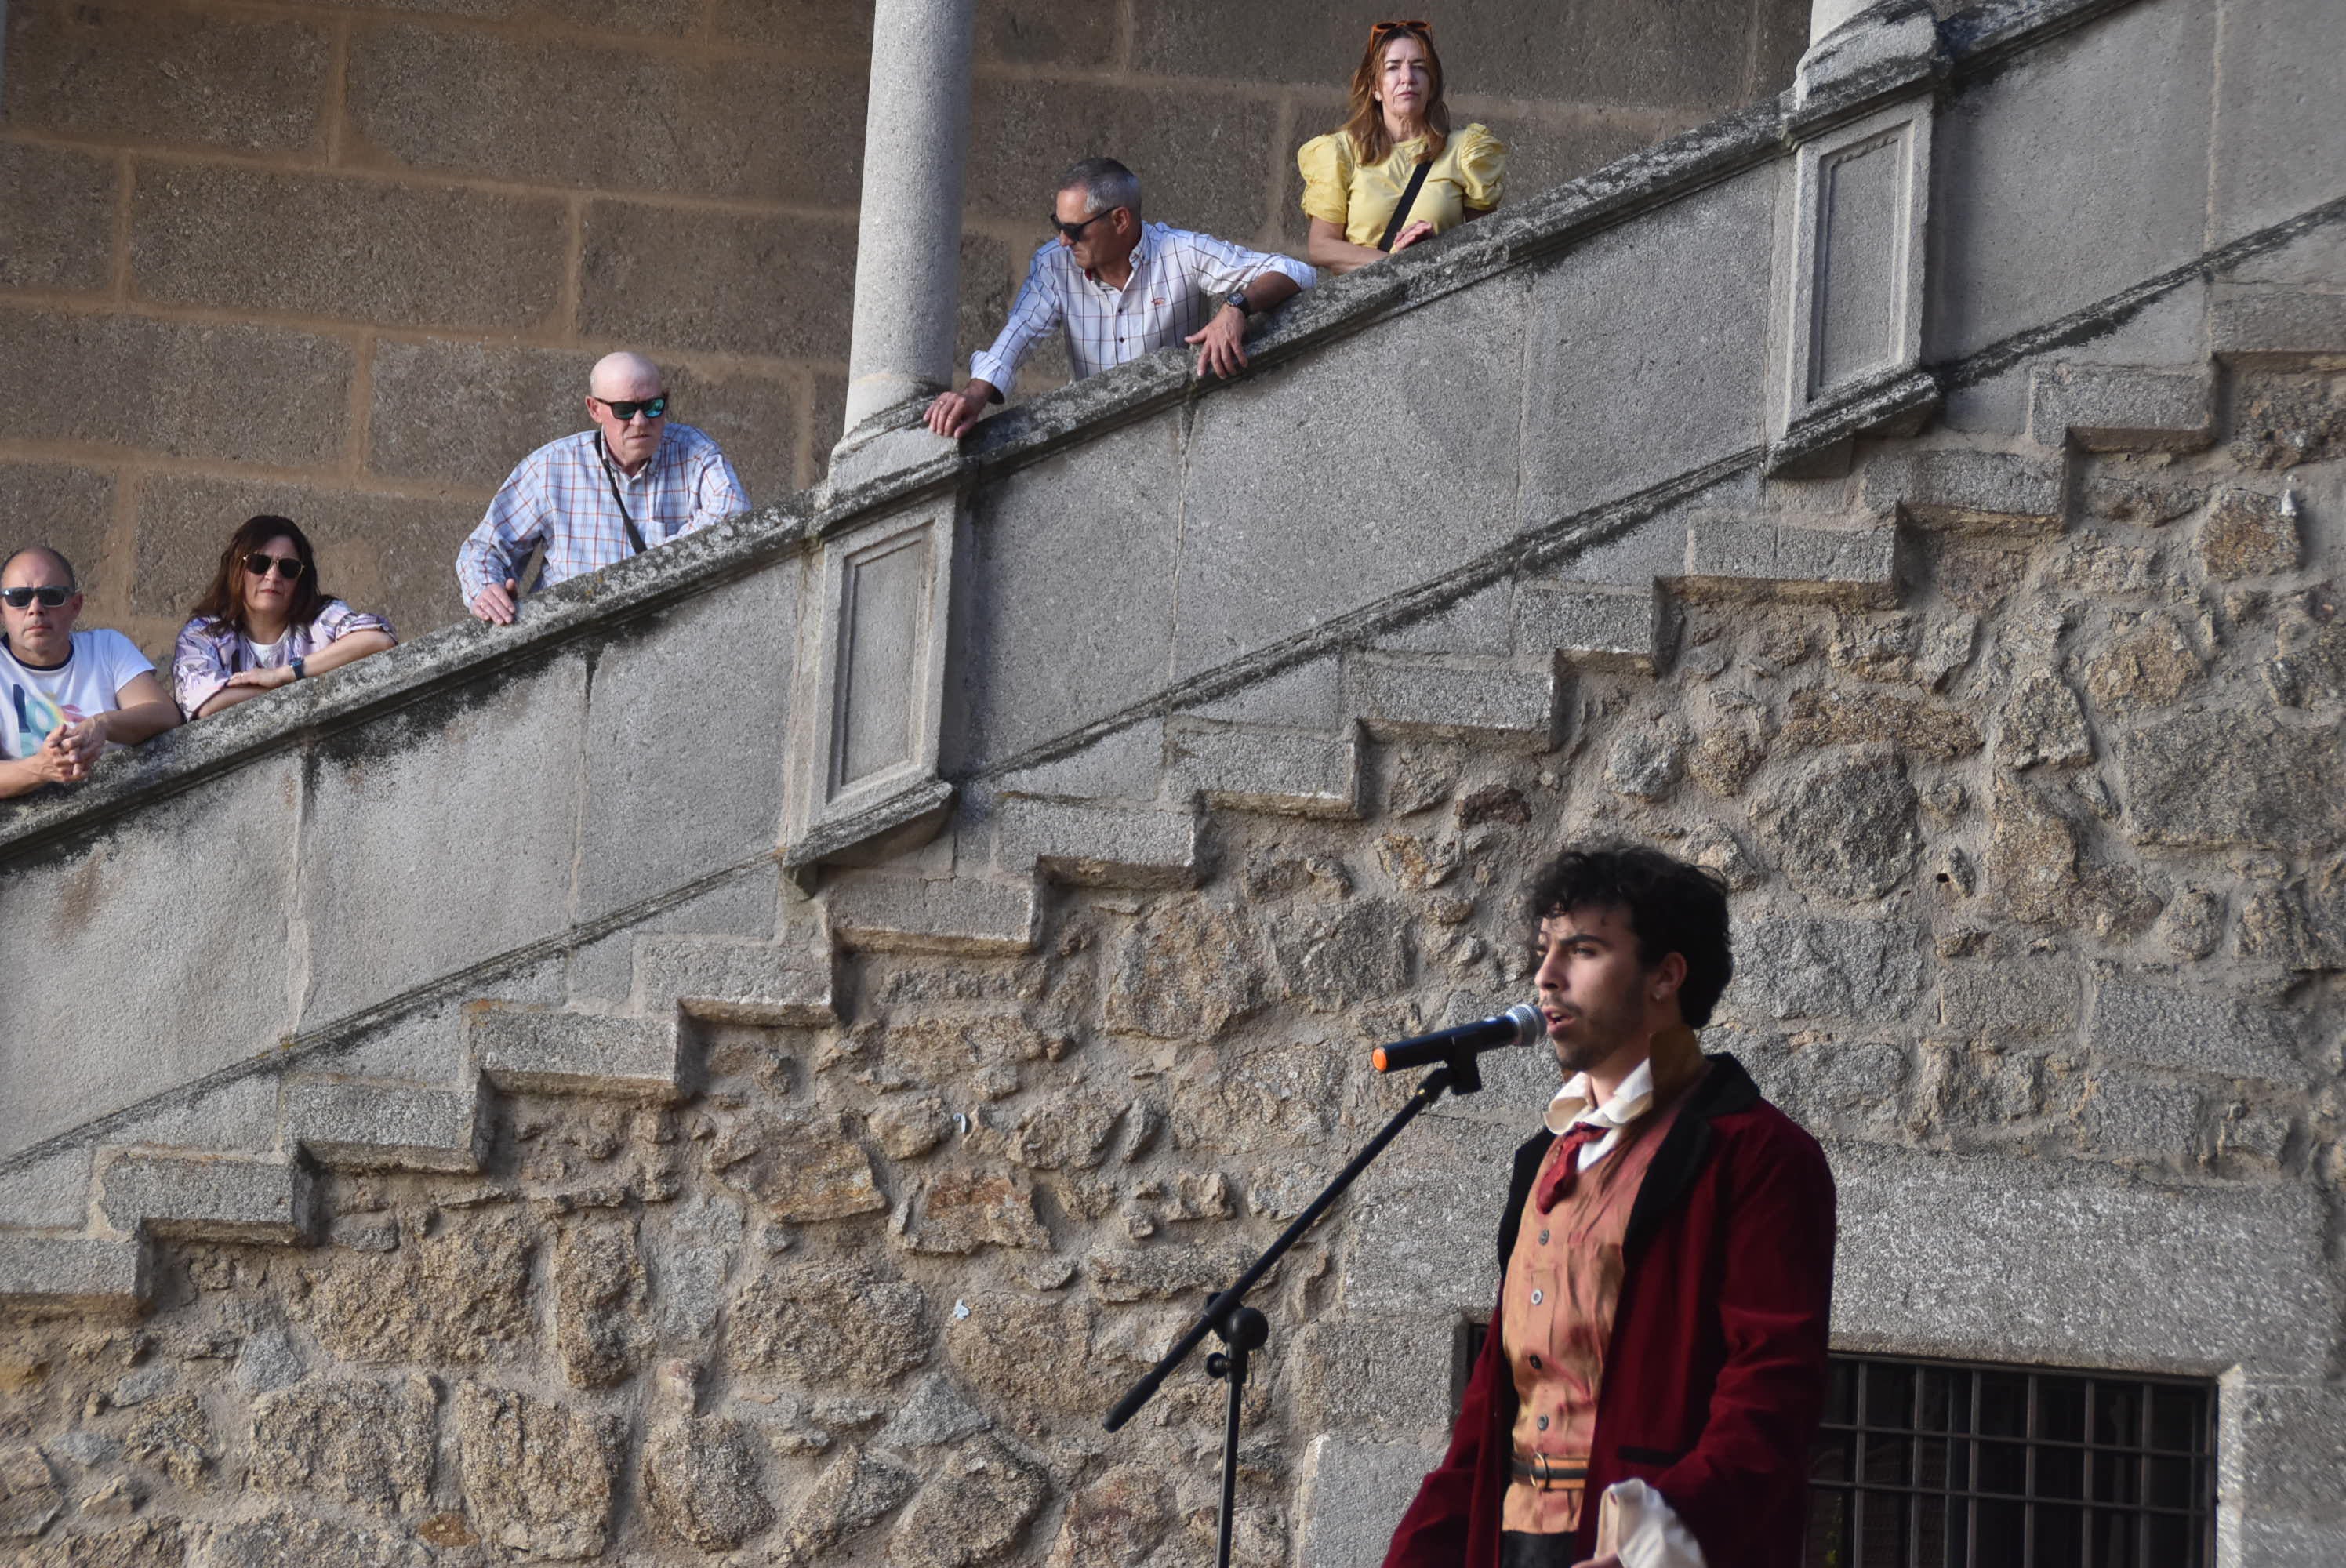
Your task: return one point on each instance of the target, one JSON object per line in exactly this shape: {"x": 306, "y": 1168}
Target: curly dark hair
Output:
{"x": 1673, "y": 908}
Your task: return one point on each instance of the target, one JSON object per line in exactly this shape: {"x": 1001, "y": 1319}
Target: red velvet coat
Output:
{"x": 1715, "y": 1376}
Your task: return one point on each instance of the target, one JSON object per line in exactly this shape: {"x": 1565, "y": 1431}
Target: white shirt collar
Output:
{"x": 1629, "y": 1102}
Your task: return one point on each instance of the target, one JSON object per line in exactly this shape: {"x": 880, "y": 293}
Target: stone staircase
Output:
{"x": 1497, "y": 669}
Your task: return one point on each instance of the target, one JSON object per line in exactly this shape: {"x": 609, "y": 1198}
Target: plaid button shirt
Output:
{"x": 559, "y": 494}
{"x": 1179, "y": 279}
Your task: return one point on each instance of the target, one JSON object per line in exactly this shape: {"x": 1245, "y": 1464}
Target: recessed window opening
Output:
{"x": 1945, "y": 1464}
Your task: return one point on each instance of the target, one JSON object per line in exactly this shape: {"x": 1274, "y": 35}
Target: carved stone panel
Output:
{"x": 1849, "y": 320}
{"x": 871, "y": 682}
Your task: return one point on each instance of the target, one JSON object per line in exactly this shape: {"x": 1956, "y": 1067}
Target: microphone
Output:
{"x": 1518, "y": 1025}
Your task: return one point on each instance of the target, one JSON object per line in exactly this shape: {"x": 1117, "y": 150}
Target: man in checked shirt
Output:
{"x": 632, "y": 482}
{"x": 1120, "y": 289}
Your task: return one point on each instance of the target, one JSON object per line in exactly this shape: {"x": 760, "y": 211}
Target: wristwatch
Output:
{"x": 297, "y": 671}
{"x": 1237, "y": 298}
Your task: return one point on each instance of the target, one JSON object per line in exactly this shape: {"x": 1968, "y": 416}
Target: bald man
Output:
{"x": 634, "y": 480}
{"x": 65, "y": 697}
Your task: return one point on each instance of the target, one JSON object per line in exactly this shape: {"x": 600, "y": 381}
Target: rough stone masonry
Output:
{"x": 2046, "y": 864}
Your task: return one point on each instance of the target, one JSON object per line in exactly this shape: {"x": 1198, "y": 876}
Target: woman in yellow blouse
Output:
{"x": 1354, "y": 176}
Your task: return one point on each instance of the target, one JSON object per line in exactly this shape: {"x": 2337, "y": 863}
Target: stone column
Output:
{"x": 908, "y": 236}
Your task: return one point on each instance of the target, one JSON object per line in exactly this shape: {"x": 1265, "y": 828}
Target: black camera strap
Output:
{"x": 635, "y": 536}
{"x": 1401, "y": 208}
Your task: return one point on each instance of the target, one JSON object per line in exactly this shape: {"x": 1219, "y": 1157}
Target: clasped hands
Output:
{"x": 71, "y": 751}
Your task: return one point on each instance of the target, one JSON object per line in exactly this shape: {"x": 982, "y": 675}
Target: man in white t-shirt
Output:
{"x": 64, "y": 696}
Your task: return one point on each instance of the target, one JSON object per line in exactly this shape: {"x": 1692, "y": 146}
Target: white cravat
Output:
{"x": 1633, "y": 1099}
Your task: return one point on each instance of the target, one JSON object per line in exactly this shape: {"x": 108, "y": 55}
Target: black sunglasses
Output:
{"x": 650, "y": 407}
{"x": 1075, "y": 231}
{"x": 288, "y": 566}
{"x": 50, "y": 597}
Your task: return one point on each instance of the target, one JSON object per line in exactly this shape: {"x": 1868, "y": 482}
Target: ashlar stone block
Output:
{"x": 738, "y": 979}
{"x": 214, "y": 1199}
{"x": 1595, "y": 628}
{"x": 1502, "y": 704}
{"x": 1252, "y": 768}
{"x": 2280, "y": 321}
{"x": 1069, "y": 618}
{"x": 2210, "y": 778}
{"x": 250, "y": 239}
{"x": 915, "y": 914}
{"x": 1097, "y": 846}
{"x": 73, "y": 1273}
{"x": 2028, "y": 226}
{"x": 377, "y": 847}
{"x": 2166, "y": 1028}
{"x": 1352, "y": 1495}
{"x": 1645, "y": 353}
{"x": 528, "y": 1051}
{"x": 2068, "y": 1265}
{"x": 1766, "y": 556}
{"x": 1271, "y": 538}
{"x": 707, "y": 808}
{"x": 81, "y": 1064}
{"x": 48, "y": 1193}
{"x": 2122, "y": 408}
{"x": 1962, "y": 487}
{"x": 478, "y": 103}
{"x": 128, "y": 73}
{"x": 56, "y": 217}
{"x": 116, "y": 381}
{"x": 385, "y": 1126}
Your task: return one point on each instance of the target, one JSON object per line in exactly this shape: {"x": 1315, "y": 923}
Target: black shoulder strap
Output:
{"x": 634, "y": 536}
{"x": 1400, "y": 209}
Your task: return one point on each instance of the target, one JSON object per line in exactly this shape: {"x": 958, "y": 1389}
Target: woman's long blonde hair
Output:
{"x": 1364, "y": 120}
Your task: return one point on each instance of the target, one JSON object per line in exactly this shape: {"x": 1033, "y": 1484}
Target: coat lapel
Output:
{"x": 1727, "y": 1088}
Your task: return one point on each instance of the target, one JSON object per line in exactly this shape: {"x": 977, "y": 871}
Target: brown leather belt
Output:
{"x": 1549, "y": 1473}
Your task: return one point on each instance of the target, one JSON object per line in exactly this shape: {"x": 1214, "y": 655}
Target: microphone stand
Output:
{"x": 1244, "y": 1330}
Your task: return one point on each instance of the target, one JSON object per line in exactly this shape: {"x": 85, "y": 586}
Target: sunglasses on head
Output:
{"x": 1379, "y": 29}
{"x": 1075, "y": 231}
{"x": 624, "y": 410}
{"x": 51, "y": 597}
{"x": 288, "y": 566}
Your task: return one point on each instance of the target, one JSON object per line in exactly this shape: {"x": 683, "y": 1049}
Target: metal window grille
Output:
{"x": 1939, "y": 1464}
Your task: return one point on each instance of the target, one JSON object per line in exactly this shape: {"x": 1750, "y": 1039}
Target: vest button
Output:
{"x": 1543, "y": 1238}
{"x": 1543, "y": 1423}
{"x": 1536, "y": 1363}
{"x": 1537, "y": 1297}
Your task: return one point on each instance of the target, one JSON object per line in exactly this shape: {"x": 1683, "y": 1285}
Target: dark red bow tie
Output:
{"x": 1565, "y": 1167}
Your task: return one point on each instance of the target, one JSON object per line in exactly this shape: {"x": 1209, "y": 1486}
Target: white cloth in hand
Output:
{"x": 1635, "y": 1522}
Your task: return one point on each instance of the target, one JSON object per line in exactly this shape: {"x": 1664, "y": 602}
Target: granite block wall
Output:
{"x": 349, "y": 263}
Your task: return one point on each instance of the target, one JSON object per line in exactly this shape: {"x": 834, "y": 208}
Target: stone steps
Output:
{"x": 355, "y": 1122}
{"x": 1489, "y": 670}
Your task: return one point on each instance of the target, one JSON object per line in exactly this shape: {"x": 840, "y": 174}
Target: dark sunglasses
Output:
{"x": 50, "y": 597}
{"x": 1379, "y": 29}
{"x": 1075, "y": 231}
{"x": 650, "y": 408}
{"x": 288, "y": 566}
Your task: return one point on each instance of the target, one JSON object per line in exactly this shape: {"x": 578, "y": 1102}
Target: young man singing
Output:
{"x": 1656, "y": 1367}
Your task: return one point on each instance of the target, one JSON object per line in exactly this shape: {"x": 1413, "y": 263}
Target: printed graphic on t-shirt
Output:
{"x": 36, "y": 717}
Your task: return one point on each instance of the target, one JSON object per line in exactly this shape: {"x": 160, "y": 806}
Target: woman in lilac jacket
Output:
{"x": 265, "y": 621}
